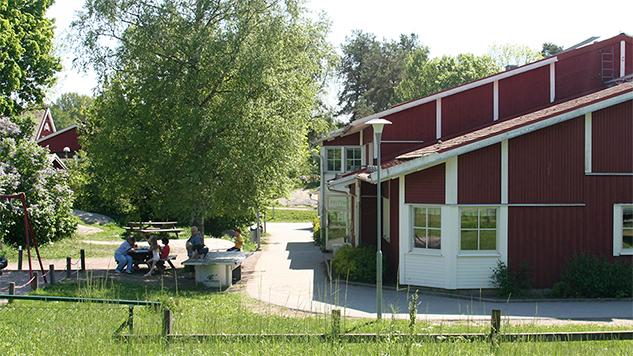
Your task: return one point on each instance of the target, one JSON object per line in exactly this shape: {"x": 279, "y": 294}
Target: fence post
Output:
{"x": 20, "y": 258}
{"x": 167, "y": 322}
{"x": 35, "y": 281}
{"x": 82, "y": 256}
{"x": 336, "y": 322}
{"x": 68, "y": 267}
{"x": 51, "y": 274}
{"x": 130, "y": 320}
{"x": 11, "y": 290}
{"x": 495, "y": 322}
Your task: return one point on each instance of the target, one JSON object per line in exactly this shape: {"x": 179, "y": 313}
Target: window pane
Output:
{"x": 419, "y": 238}
{"x": 488, "y": 240}
{"x": 352, "y": 159}
{"x": 627, "y": 218}
{"x": 488, "y": 218}
{"x": 469, "y": 240}
{"x": 435, "y": 238}
{"x": 419, "y": 219}
{"x": 435, "y": 217}
{"x": 333, "y": 159}
{"x": 469, "y": 218}
{"x": 627, "y": 238}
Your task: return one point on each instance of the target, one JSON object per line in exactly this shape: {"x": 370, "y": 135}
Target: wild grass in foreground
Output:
{"x": 78, "y": 328}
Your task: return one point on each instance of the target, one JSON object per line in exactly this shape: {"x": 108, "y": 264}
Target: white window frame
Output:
{"x": 412, "y": 227}
{"x": 478, "y": 251}
{"x": 327, "y": 158}
{"x": 618, "y": 216}
{"x": 386, "y": 218}
{"x": 360, "y": 158}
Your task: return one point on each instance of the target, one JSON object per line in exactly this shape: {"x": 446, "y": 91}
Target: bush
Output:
{"x": 594, "y": 277}
{"x": 509, "y": 282}
{"x": 316, "y": 230}
{"x": 356, "y": 264}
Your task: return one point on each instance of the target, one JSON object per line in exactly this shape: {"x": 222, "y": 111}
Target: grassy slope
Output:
{"x": 285, "y": 215}
{"x": 34, "y": 328}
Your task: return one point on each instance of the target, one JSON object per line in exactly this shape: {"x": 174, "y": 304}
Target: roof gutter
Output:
{"x": 431, "y": 159}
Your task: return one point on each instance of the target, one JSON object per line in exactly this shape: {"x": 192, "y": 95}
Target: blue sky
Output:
{"x": 446, "y": 26}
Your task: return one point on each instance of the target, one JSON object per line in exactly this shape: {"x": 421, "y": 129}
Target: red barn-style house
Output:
{"x": 532, "y": 165}
{"x": 62, "y": 144}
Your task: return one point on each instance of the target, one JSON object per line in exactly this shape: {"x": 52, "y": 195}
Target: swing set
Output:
{"x": 29, "y": 236}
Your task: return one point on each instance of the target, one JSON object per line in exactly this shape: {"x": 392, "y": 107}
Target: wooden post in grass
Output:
{"x": 20, "y": 258}
{"x": 11, "y": 290}
{"x": 68, "y": 267}
{"x": 495, "y": 322}
{"x": 336, "y": 322}
{"x": 82, "y": 257}
{"x": 167, "y": 322}
{"x": 51, "y": 274}
{"x": 130, "y": 320}
{"x": 35, "y": 281}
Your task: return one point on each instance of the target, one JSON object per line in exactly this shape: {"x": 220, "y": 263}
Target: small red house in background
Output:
{"x": 530, "y": 166}
{"x": 62, "y": 144}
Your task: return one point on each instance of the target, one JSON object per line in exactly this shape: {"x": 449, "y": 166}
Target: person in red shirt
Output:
{"x": 164, "y": 250}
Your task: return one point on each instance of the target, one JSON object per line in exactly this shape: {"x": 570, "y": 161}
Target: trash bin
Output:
{"x": 254, "y": 234}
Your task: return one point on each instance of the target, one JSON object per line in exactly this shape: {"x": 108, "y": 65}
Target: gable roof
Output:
{"x": 57, "y": 133}
{"x": 42, "y": 116}
{"x": 428, "y": 156}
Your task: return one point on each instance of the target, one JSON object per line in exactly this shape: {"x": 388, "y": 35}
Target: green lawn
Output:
{"x": 287, "y": 215}
{"x": 35, "y": 328}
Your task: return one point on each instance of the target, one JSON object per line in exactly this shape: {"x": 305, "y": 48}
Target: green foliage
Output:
{"x": 423, "y": 77}
{"x": 510, "y": 283}
{"x": 550, "y": 49}
{"x": 27, "y": 63}
{"x": 316, "y": 230}
{"x": 371, "y": 69}
{"x": 220, "y": 91}
{"x": 25, "y": 167}
{"x": 289, "y": 215}
{"x": 356, "y": 263}
{"x": 513, "y": 54}
{"x": 594, "y": 277}
{"x": 71, "y": 109}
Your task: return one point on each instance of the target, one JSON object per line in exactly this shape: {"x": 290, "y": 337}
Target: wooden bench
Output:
{"x": 169, "y": 259}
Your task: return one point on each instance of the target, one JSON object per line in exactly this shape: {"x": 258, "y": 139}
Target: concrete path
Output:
{"x": 290, "y": 273}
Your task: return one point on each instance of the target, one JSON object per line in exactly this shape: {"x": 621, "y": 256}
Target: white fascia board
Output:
{"x": 424, "y": 162}
{"x": 622, "y": 58}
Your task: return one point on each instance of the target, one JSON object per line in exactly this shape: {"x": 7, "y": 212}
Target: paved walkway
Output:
{"x": 290, "y": 273}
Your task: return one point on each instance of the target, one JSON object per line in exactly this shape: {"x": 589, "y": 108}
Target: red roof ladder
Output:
{"x": 607, "y": 64}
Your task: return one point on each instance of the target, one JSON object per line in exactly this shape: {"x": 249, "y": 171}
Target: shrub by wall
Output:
{"x": 594, "y": 277}
{"x": 356, "y": 264}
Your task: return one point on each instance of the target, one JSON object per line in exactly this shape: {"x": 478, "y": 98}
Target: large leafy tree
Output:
{"x": 424, "y": 77}
{"x": 71, "y": 109}
{"x": 513, "y": 54}
{"x": 205, "y": 104}
{"x": 27, "y": 63}
{"x": 371, "y": 69}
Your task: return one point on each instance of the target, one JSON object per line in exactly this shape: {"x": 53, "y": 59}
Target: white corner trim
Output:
{"x": 622, "y": 59}
{"x": 504, "y": 172}
{"x": 502, "y": 233}
{"x": 552, "y": 82}
{"x": 450, "y": 244}
{"x": 360, "y": 138}
{"x": 438, "y": 118}
{"x": 429, "y": 160}
{"x": 588, "y": 143}
{"x": 451, "y": 186}
{"x": 495, "y": 100}
{"x": 617, "y": 229}
{"x": 404, "y": 230}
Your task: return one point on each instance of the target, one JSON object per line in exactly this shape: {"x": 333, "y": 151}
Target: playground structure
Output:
{"x": 29, "y": 235}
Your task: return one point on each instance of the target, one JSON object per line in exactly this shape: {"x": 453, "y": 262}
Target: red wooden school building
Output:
{"x": 533, "y": 165}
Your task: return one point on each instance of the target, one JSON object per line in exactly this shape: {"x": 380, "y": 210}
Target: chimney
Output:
{"x": 511, "y": 67}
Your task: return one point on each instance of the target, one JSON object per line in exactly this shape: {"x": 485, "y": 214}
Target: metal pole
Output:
{"x": 378, "y": 233}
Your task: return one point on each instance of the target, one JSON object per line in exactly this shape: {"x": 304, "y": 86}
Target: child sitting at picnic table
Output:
{"x": 155, "y": 250}
{"x": 239, "y": 241}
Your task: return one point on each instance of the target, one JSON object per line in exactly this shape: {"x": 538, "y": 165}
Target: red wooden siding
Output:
{"x": 368, "y": 135}
{"x": 349, "y": 140}
{"x": 416, "y": 123}
{"x": 57, "y": 143}
{"x": 547, "y": 166}
{"x": 390, "y": 248}
{"x": 582, "y": 73}
{"x": 392, "y": 150}
{"x": 367, "y": 214}
{"x": 479, "y": 176}
{"x": 426, "y": 186}
{"x": 544, "y": 238}
{"x": 612, "y": 139}
{"x": 467, "y": 110}
{"x": 628, "y": 54}
{"x": 524, "y": 92}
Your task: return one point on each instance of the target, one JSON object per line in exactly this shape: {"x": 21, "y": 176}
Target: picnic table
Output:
{"x": 218, "y": 269}
{"x": 142, "y": 255}
{"x": 146, "y": 228}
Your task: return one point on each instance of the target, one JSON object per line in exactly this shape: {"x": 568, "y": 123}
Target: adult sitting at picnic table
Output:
{"x": 239, "y": 241}
{"x": 122, "y": 257}
{"x": 195, "y": 244}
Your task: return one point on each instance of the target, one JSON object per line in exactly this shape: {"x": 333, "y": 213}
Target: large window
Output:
{"x": 427, "y": 227}
{"x": 478, "y": 229}
{"x": 352, "y": 158}
{"x": 627, "y": 227}
{"x": 622, "y": 229}
{"x": 334, "y": 159}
